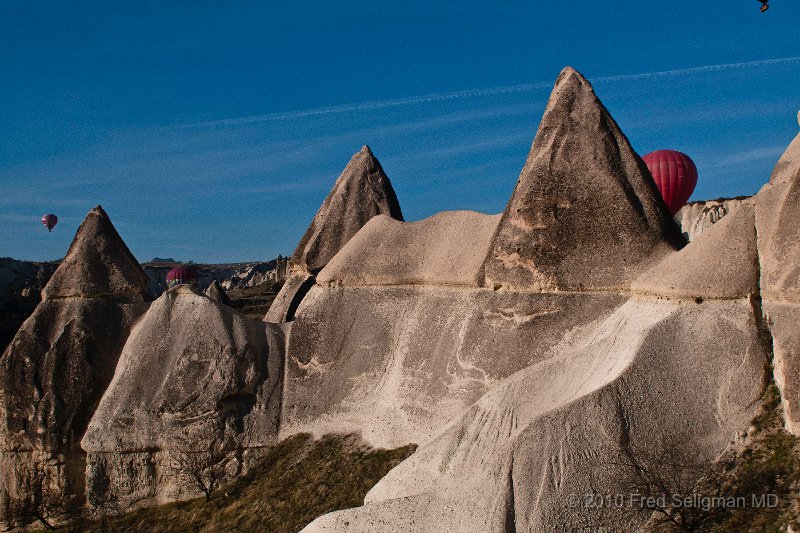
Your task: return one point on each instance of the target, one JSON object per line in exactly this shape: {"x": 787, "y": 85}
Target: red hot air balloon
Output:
{"x": 675, "y": 176}
{"x": 181, "y": 275}
{"x": 50, "y": 220}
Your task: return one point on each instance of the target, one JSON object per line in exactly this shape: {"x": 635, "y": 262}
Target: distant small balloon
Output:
{"x": 675, "y": 175}
{"x": 49, "y": 220}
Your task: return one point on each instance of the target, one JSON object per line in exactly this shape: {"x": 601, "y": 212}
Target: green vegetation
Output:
{"x": 298, "y": 480}
{"x": 768, "y": 463}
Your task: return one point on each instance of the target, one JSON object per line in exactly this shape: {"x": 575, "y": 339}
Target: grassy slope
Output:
{"x": 768, "y": 463}
{"x": 298, "y": 480}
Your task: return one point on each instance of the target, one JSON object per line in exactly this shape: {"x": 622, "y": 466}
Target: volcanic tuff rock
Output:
{"x": 289, "y": 297}
{"x": 521, "y": 399}
{"x": 361, "y": 192}
{"x": 61, "y": 360}
{"x": 777, "y": 212}
{"x": 696, "y": 217}
{"x": 97, "y": 264}
{"x": 216, "y": 292}
{"x": 586, "y": 214}
{"x": 193, "y": 373}
{"x": 650, "y": 376}
{"x": 445, "y": 249}
{"x": 720, "y": 263}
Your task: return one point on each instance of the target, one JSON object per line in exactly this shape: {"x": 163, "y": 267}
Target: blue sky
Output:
{"x": 213, "y": 132}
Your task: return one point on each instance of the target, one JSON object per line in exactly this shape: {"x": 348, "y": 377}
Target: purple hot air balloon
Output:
{"x": 49, "y": 220}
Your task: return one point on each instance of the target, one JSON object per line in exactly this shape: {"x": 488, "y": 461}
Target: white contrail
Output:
{"x": 475, "y": 93}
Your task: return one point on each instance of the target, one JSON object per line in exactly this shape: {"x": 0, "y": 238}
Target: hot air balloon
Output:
{"x": 675, "y": 175}
{"x": 50, "y": 220}
{"x": 181, "y": 275}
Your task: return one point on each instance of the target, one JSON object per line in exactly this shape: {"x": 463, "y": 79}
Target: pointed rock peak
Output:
{"x": 570, "y": 76}
{"x": 362, "y": 191}
{"x": 97, "y": 264}
{"x": 366, "y": 149}
{"x": 586, "y": 212}
{"x": 216, "y": 292}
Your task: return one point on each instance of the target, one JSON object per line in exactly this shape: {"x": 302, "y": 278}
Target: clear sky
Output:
{"x": 212, "y": 131}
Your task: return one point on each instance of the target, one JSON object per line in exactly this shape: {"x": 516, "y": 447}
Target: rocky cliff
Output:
{"x": 586, "y": 341}
{"x": 60, "y": 362}
{"x": 524, "y": 352}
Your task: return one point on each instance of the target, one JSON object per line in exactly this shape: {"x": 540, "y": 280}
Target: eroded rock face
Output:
{"x": 398, "y": 363}
{"x": 193, "y": 372}
{"x": 446, "y": 249}
{"x": 632, "y": 378}
{"x": 216, "y": 292}
{"x": 60, "y": 362}
{"x": 97, "y": 264}
{"x": 696, "y": 217}
{"x": 720, "y": 263}
{"x": 522, "y": 397}
{"x": 361, "y": 192}
{"x": 777, "y": 209}
{"x": 586, "y": 213}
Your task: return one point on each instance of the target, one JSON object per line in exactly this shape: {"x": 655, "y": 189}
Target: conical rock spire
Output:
{"x": 98, "y": 263}
{"x": 586, "y": 212}
{"x": 362, "y": 191}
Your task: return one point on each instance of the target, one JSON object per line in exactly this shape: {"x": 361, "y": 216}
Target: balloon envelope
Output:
{"x": 49, "y": 220}
{"x": 181, "y": 275}
{"x": 675, "y": 175}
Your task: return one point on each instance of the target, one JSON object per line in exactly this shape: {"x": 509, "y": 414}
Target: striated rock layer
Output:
{"x": 60, "y": 362}
{"x": 536, "y": 443}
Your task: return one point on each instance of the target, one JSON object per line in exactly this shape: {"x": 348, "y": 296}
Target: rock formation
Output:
{"x": 194, "y": 373}
{"x": 361, "y": 192}
{"x": 586, "y": 214}
{"x": 696, "y": 217}
{"x": 216, "y": 292}
{"x": 445, "y": 249}
{"x": 523, "y": 351}
{"x": 521, "y": 397}
{"x": 229, "y": 276}
{"x": 777, "y": 212}
{"x": 21, "y": 284}
{"x": 60, "y": 362}
{"x": 722, "y": 264}
{"x": 398, "y": 362}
